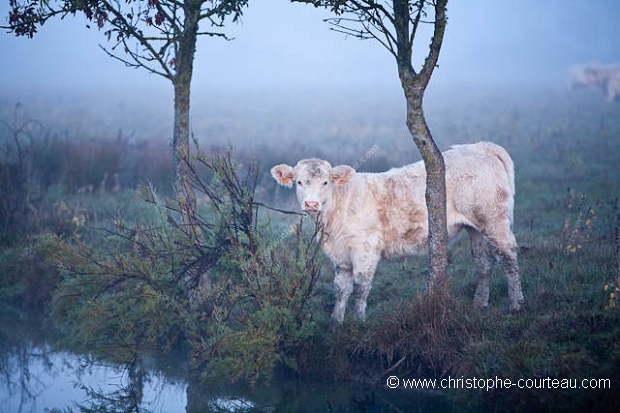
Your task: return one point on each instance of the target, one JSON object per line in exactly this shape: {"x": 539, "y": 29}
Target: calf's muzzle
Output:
{"x": 311, "y": 206}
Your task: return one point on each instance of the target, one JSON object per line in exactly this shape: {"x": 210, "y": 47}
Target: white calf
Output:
{"x": 369, "y": 216}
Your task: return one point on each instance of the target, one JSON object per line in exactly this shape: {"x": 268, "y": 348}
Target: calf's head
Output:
{"x": 315, "y": 181}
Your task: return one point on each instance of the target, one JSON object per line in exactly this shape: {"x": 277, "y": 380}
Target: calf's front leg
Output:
{"x": 343, "y": 287}
{"x": 363, "y": 273}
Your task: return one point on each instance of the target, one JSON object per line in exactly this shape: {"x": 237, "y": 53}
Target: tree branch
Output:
{"x": 158, "y": 34}
{"x": 435, "y": 47}
{"x": 127, "y": 30}
{"x": 415, "y": 22}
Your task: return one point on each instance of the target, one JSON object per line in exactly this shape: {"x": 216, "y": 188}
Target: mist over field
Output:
{"x": 286, "y": 78}
{"x": 92, "y": 244}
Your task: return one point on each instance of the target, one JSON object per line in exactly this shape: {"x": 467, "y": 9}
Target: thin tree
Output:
{"x": 395, "y": 24}
{"x": 157, "y": 35}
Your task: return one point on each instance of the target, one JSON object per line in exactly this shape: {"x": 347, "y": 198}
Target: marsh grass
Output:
{"x": 266, "y": 315}
{"x": 567, "y": 217}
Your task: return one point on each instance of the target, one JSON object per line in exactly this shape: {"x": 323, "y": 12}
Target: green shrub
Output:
{"x": 238, "y": 297}
{"x": 28, "y": 275}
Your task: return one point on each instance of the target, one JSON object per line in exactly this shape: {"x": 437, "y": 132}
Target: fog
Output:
{"x": 288, "y": 46}
{"x": 287, "y": 88}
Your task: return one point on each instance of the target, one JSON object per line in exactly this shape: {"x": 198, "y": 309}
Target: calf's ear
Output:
{"x": 284, "y": 174}
{"x": 342, "y": 173}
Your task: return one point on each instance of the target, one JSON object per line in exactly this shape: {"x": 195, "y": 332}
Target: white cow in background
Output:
{"x": 595, "y": 76}
{"x": 369, "y": 216}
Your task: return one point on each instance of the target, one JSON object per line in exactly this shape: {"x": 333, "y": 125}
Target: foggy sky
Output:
{"x": 284, "y": 45}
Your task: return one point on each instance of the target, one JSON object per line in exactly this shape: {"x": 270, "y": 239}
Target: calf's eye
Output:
{"x": 299, "y": 183}
{"x": 325, "y": 183}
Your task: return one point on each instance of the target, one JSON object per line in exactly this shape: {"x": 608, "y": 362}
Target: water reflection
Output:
{"x": 34, "y": 378}
{"x": 37, "y": 380}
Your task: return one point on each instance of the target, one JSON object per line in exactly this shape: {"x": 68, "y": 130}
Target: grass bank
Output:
{"x": 81, "y": 243}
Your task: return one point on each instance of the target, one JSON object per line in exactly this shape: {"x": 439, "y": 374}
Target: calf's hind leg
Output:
{"x": 505, "y": 243}
{"x": 483, "y": 261}
{"x": 510, "y": 265}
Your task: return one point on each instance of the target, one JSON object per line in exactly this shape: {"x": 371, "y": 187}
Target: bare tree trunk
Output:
{"x": 435, "y": 180}
{"x": 414, "y": 85}
{"x": 184, "y": 192}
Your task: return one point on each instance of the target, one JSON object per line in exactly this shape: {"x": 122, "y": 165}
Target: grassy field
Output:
{"x": 566, "y": 150}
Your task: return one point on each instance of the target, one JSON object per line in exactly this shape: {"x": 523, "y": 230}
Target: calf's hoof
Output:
{"x": 516, "y": 308}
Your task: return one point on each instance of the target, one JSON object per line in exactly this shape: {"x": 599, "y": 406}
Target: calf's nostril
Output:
{"x": 311, "y": 205}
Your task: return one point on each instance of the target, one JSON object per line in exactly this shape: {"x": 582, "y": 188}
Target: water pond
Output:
{"x": 35, "y": 378}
